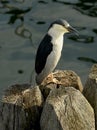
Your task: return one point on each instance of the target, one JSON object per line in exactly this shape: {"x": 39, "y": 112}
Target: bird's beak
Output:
{"x": 71, "y": 29}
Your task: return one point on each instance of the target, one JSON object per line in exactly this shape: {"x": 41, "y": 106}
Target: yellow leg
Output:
{"x": 50, "y": 79}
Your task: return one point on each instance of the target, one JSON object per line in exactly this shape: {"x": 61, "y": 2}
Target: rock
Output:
{"x": 90, "y": 90}
{"x": 58, "y": 106}
{"x": 67, "y": 109}
{"x": 66, "y": 78}
{"x": 20, "y": 108}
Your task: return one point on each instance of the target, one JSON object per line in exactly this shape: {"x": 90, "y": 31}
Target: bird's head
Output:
{"x": 61, "y": 26}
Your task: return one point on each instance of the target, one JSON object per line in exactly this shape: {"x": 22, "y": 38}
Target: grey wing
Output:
{"x": 43, "y": 51}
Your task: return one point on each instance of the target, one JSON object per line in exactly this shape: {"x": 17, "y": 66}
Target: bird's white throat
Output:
{"x": 57, "y": 31}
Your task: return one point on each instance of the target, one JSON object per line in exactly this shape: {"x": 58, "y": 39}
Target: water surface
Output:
{"x": 23, "y": 23}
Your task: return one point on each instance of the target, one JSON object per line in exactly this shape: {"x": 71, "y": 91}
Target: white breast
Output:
{"x": 52, "y": 59}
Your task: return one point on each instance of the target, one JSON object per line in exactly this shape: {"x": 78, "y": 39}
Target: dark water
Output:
{"x": 23, "y": 23}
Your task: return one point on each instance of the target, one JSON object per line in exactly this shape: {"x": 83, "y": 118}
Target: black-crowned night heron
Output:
{"x": 49, "y": 50}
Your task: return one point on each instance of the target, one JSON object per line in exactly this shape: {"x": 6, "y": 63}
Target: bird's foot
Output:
{"x": 51, "y": 79}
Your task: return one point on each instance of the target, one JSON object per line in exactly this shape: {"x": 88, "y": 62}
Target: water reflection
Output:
{"x": 95, "y": 31}
{"x": 13, "y": 10}
{"x": 22, "y": 31}
{"x": 7, "y": 1}
{"x": 91, "y": 1}
{"x": 24, "y": 20}
{"x": 82, "y": 38}
{"x": 42, "y": 2}
{"x": 63, "y": 2}
{"x": 20, "y": 71}
{"x": 4, "y": 1}
{"x": 41, "y": 22}
{"x": 86, "y": 59}
{"x": 87, "y": 7}
{"x": 20, "y": 1}
{"x": 17, "y": 14}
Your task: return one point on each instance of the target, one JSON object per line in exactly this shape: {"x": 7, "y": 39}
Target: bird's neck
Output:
{"x": 57, "y": 36}
{"x": 55, "y": 33}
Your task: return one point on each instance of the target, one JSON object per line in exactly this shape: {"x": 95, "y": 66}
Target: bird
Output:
{"x": 49, "y": 50}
